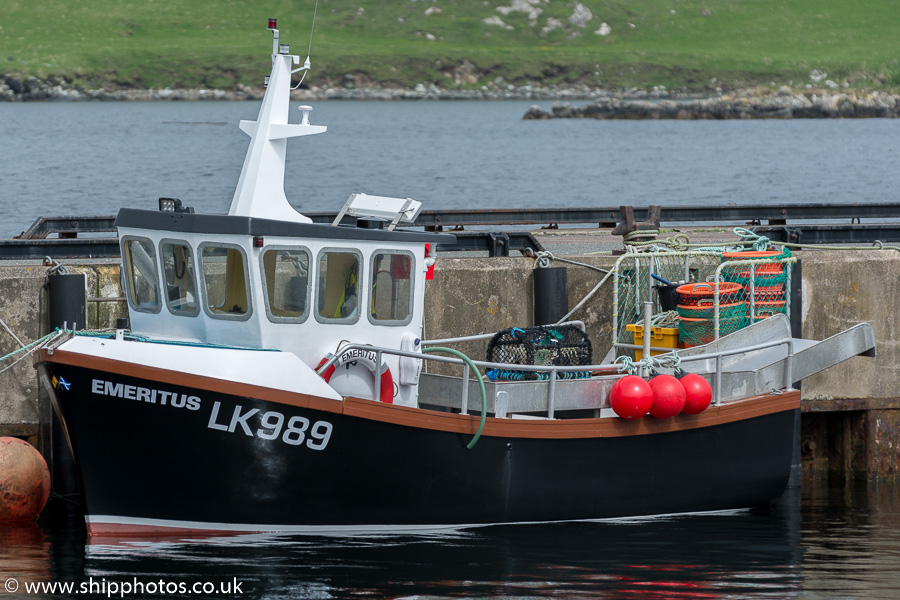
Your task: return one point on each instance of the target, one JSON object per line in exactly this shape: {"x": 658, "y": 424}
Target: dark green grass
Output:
{"x": 205, "y": 43}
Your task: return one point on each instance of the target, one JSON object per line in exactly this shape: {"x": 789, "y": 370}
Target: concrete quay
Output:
{"x": 851, "y": 413}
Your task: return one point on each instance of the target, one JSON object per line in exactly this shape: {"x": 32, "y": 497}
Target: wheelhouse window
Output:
{"x": 392, "y": 288}
{"x": 179, "y": 278}
{"x": 286, "y": 274}
{"x": 338, "y": 295}
{"x": 141, "y": 278}
{"x": 225, "y": 283}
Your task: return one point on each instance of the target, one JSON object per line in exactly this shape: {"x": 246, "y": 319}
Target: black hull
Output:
{"x": 200, "y": 462}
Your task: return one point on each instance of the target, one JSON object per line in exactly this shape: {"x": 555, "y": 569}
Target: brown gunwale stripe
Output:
{"x": 756, "y": 406}
{"x": 201, "y": 382}
{"x": 572, "y": 428}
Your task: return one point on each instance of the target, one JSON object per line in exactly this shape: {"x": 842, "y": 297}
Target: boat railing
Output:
{"x": 486, "y": 336}
{"x": 669, "y": 360}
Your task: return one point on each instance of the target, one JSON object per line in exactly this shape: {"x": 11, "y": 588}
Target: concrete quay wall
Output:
{"x": 24, "y": 405}
{"x": 851, "y": 413}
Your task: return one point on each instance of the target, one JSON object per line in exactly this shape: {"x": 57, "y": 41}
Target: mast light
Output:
{"x": 273, "y": 23}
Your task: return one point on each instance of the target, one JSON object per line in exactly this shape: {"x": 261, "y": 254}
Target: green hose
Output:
{"x": 459, "y": 354}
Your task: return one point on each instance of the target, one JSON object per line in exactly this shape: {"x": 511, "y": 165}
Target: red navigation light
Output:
{"x": 273, "y": 23}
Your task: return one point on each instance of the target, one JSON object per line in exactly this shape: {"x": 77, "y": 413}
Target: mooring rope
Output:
{"x": 27, "y": 349}
{"x": 543, "y": 258}
{"x": 627, "y": 364}
{"x": 760, "y": 242}
{"x": 10, "y": 331}
{"x": 876, "y": 245}
{"x": 641, "y": 236}
{"x": 747, "y": 239}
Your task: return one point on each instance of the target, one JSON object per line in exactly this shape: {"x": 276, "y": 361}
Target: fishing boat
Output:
{"x": 272, "y": 378}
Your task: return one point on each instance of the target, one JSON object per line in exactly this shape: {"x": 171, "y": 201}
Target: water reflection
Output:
{"x": 832, "y": 544}
{"x": 24, "y": 553}
{"x": 852, "y": 541}
{"x": 685, "y": 557}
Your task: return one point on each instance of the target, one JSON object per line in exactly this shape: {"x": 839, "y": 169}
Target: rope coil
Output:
{"x": 627, "y": 364}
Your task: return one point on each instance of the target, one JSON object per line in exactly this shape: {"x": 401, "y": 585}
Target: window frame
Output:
{"x": 359, "y": 287}
{"x": 247, "y": 289}
{"x": 412, "y": 288}
{"x": 128, "y": 278}
{"x": 162, "y": 268}
{"x": 312, "y": 273}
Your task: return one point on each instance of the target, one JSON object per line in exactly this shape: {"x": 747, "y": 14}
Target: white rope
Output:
{"x": 665, "y": 319}
{"x": 10, "y": 331}
{"x": 627, "y": 364}
{"x": 543, "y": 257}
{"x": 585, "y": 299}
{"x": 542, "y": 260}
{"x": 27, "y": 351}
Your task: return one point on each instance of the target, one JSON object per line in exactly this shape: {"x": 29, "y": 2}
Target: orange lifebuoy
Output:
{"x": 356, "y": 357}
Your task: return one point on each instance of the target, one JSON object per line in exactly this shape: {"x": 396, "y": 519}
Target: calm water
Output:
{"x": 93, "y": 158}
{"x": 832, "y": 543}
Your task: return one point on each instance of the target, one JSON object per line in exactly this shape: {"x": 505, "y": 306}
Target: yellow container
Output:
{"x": 661, "y": 337}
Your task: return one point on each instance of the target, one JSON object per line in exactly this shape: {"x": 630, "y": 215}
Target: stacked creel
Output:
{"x": 696, "y": 305}
{"x": 768, "y": 280}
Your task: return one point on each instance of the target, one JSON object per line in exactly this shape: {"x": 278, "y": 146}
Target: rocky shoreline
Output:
{"x": 784, "y": 103}
{"x": 658, "y": 103}
{"x": 31, "y": 89}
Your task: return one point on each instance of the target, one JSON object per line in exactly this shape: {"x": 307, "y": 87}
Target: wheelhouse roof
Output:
{"x": 251, "y": 226}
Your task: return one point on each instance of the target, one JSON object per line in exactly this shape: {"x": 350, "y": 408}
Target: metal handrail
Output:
{"x": 554, "y": 369}
{"x": 739, "y": 213}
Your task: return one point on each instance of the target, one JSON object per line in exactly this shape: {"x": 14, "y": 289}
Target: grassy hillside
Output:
{"x": 697, "y": 44}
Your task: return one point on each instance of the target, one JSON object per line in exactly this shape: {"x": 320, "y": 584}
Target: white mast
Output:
{"x": 260, "y": 189}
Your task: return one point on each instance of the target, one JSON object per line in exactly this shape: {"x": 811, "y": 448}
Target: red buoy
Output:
{"x": 668, "y": 396}
{"x": 698, "y": 394}
{"x": 24, "y": 480}
{"x": 631, "y": 397}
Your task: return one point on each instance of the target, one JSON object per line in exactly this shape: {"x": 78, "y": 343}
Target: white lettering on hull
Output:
{"x": 272, "y": 426}
{"x": 141, "y": 394}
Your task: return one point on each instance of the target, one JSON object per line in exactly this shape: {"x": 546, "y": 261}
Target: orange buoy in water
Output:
{"x": 698, "y": 394}
{"x": 668, "y": 396}
{"x": 24, "y": 480}
{"x": 631, "y": 397}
